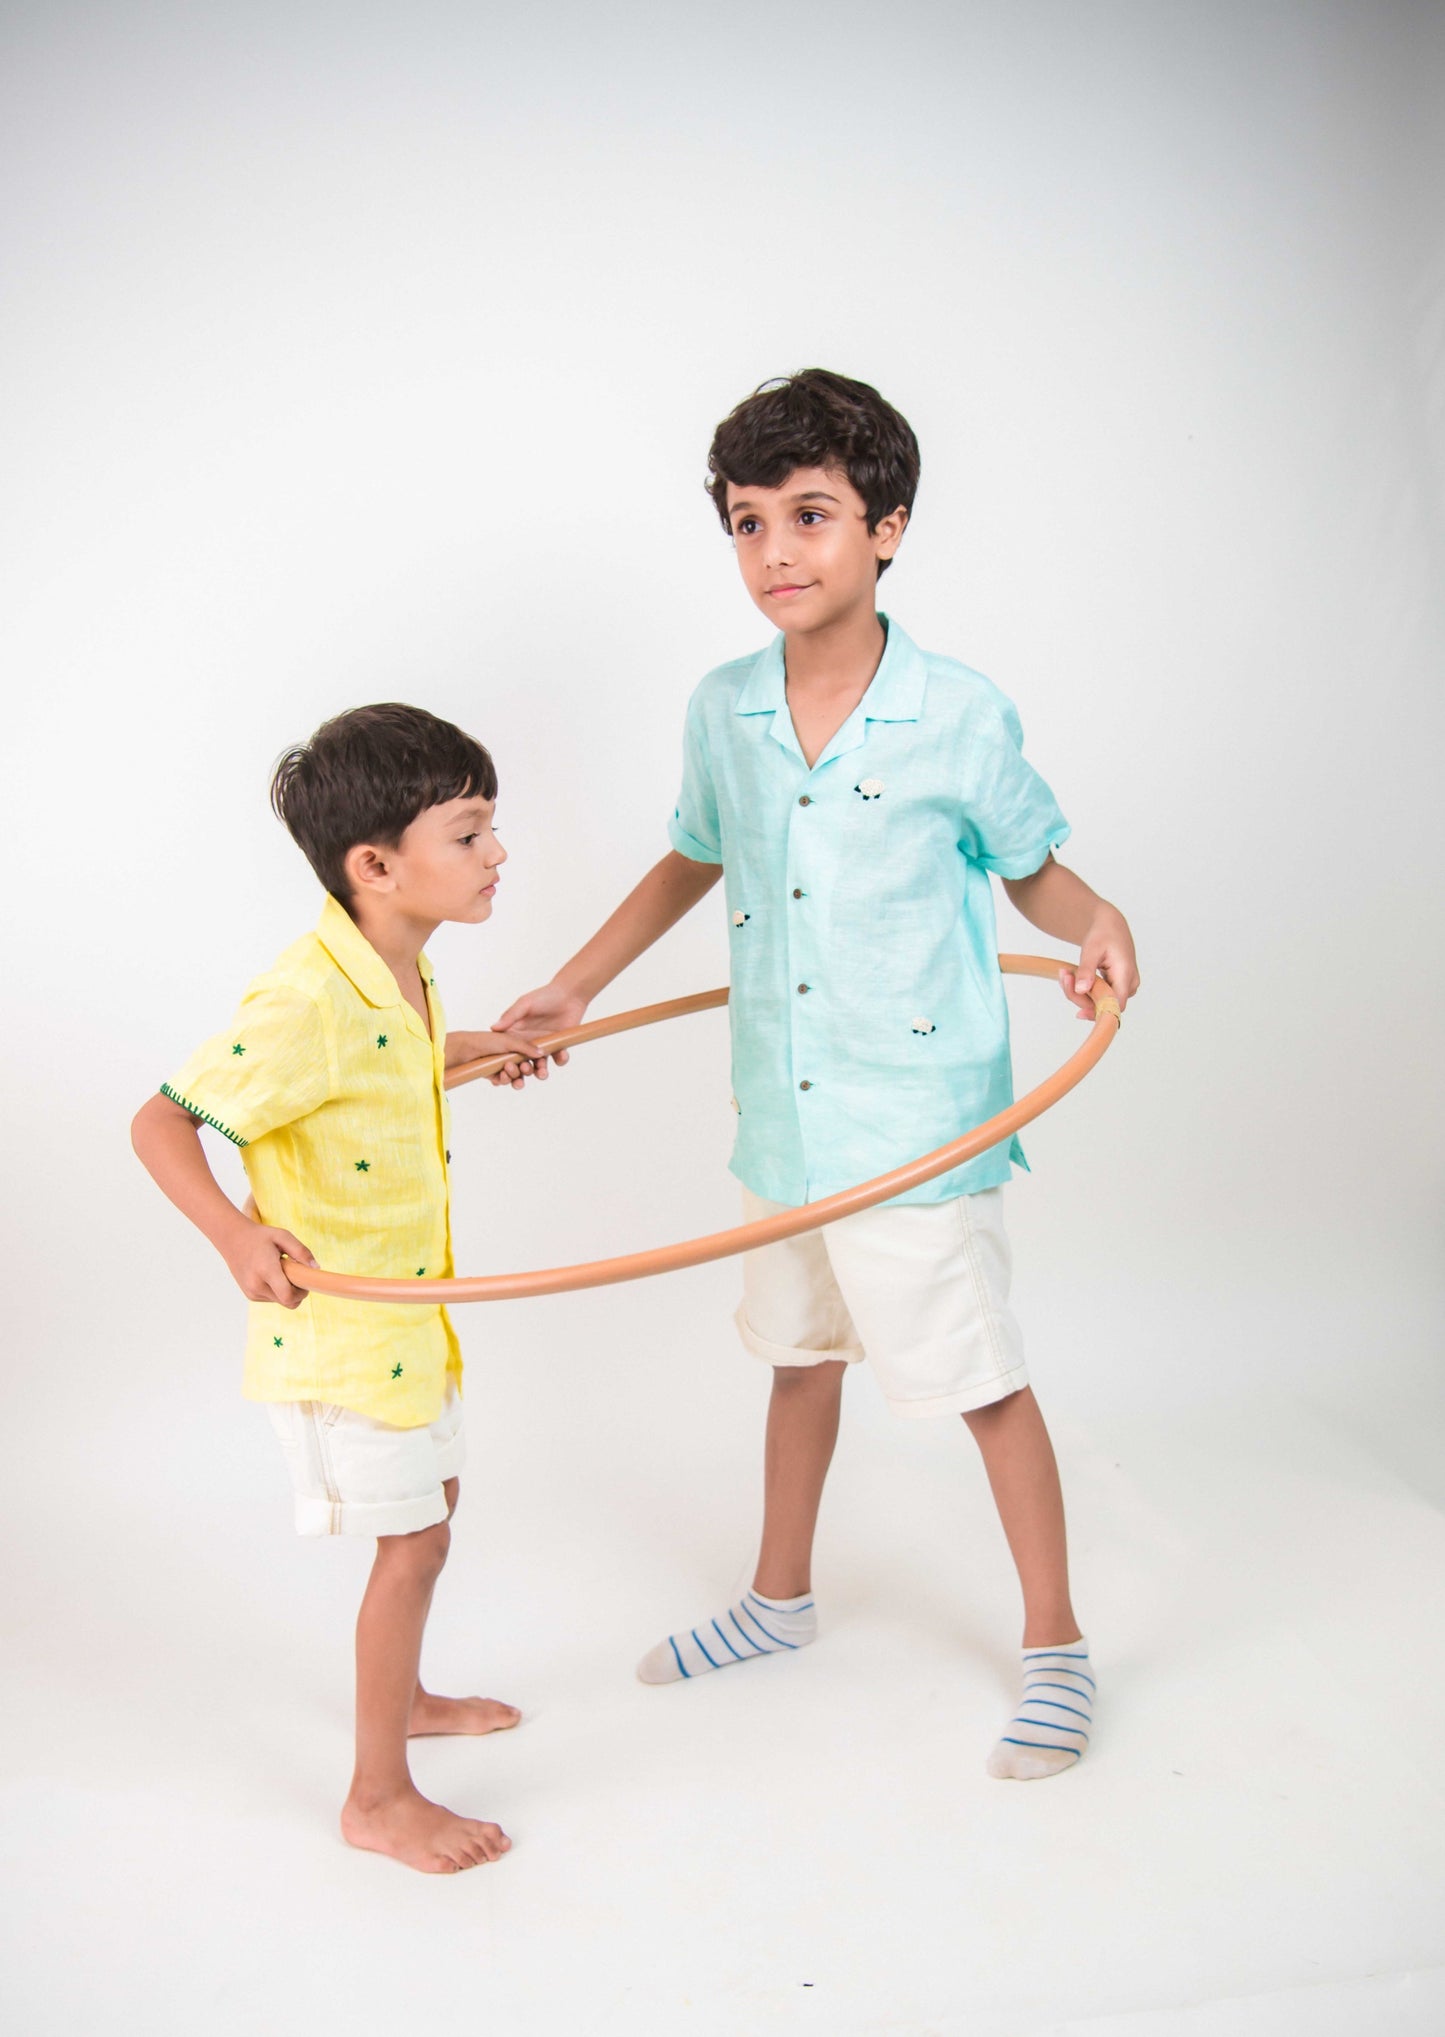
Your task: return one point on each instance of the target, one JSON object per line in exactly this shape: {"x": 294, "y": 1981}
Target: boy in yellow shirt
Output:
{"x": 330, "y": 1080}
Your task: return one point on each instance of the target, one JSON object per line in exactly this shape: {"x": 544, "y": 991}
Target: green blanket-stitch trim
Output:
{"x": 204, "y": 1115}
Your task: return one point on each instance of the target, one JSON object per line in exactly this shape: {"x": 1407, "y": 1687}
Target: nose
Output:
{"x": 498, "y": 855}
{"x": 778, "y": 551}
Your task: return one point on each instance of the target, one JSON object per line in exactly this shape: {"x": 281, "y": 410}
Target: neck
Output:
{"x": 397, "y": 937}
{"x": 838, "y": 655}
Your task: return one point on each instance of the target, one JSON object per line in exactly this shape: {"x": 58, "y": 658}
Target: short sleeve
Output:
{"x": 693, "y": 830}
{"x": 1011, "y": 818}
{"x": 267, "y": 1069}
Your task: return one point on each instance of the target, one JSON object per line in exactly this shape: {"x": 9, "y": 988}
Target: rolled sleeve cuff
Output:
{"x": 689, "y": 845}
{"x": 198, "y": 1110}
{"x": 1032, "y": 861}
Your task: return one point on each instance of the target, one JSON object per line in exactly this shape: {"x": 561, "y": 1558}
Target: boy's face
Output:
{"x": 445, "y": 867}
{"x": 805, "y": 550}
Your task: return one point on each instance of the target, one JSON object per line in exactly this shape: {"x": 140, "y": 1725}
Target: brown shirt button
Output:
{"x": 805, "y": 800}
{"x": 797, "y": 893}
{"x": 805, "y": 1085}
{"x": 803, "y": 989}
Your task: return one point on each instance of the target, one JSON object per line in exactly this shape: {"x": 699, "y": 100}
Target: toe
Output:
{"x": 658, "y": 1665}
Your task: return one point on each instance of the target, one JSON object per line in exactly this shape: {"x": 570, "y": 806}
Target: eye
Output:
{"x": 466, "y": 840}
{"x": 808, "y": 515}
{"x": 746, "y": 526}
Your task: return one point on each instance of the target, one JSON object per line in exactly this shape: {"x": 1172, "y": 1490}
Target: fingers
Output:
{"x": 293, "y": 1247}
{"x": 515, "y": 1014}
{"x": 1124, "y": 980}
{"x": 1069, "y": 980}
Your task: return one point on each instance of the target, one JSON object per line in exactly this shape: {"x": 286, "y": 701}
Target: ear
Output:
{"x": 888, "y": 535}
{"x": 368, "y": 868}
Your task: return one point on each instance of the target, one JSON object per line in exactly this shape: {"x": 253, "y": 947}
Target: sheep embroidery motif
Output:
{"x": 922, "y": 1025}
{"x": 869, "y": 788}
{"x": 740, "y": 919}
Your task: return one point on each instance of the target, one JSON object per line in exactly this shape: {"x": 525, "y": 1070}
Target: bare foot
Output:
{"x": 420, "y": 1833}
{"x": 459, "y": 1715}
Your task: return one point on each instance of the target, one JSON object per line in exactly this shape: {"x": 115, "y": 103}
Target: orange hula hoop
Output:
{"x": 742, "y": 1237}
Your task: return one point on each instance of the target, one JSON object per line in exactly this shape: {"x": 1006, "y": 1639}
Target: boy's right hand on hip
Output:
{"x": 257, "y": 1266}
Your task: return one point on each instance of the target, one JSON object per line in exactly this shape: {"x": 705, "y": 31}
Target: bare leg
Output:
{"x": 433, "y": 1714}
{"x": 1019, "y": 1460}
{"x": 385, "y": 1811}
{"x": 802, "y": 1430}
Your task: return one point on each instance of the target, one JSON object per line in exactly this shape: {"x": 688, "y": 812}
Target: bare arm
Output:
{"x": 167, "y": 1142}
{"x": 1059, "y": 902}
{"x": 670, "y": 890}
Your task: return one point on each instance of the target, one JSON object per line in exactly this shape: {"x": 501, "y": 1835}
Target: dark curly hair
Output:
{"x": 366, "y": 775}
{"x": 816, "y": 419}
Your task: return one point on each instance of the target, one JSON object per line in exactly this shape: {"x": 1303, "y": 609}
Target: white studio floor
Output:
{"x": 1255, "y": 1845}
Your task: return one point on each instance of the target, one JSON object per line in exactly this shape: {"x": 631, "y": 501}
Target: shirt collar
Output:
{"x": 355, "y": 957}
{"x": 895, "y": 693}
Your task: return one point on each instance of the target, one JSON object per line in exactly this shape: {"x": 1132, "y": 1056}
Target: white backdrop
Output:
{"x": 355, "y": 353}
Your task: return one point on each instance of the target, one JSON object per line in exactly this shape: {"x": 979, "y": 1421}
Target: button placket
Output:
{"x": 802, "y": 960}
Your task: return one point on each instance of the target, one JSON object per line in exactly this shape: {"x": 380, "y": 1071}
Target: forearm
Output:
{"x": 1058, "y": 901}
{"x": 670, "y": 890}
{"x": 167, "y": 1143}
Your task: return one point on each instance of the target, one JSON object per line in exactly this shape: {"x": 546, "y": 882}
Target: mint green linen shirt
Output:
{"x": 868, "y": 1016}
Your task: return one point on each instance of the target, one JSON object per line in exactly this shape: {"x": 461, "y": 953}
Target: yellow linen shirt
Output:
{"x": 327, "y": 1081}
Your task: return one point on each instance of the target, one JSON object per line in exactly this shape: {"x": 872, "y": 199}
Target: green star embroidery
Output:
{"x": 278, "y": 1342}
{"x": 432, "y": 981}
{"x": 396, "y": 1372}
{"x": 363, "y": 1167}
{"x": 238, "y": 1048}
{"x": 419, "y": 1271}
{"x": 381, "y": 1039}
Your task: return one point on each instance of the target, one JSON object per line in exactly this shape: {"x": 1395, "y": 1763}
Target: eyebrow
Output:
{"x": 808, "y": 495}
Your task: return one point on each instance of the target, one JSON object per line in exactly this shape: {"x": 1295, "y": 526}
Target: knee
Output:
{"x": 435, "y": 1544}
{"x": 995, "y": 1411}
{"x": 802, "y": 1379}
{"x": 421, "y": 1554}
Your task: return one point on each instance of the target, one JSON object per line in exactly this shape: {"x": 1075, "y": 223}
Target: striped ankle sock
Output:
{"x": 1050, "y": 1729}
{"x": 750, "y": 1627}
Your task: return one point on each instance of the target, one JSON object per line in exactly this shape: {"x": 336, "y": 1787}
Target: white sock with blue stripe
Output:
{"x": 751, "y": 1626}
{"x": 1050, "y": 1729}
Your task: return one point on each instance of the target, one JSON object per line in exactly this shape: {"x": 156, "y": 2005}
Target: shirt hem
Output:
{"x": 943, "y": 1188}
{"x": 268, "y": 1392}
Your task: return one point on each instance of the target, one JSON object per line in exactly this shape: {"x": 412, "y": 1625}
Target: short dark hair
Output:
{"x": 817, "y": 419}
{"x": 365, "y": 776}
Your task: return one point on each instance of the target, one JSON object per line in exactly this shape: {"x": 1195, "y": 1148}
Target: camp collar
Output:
{"x": 358, "y": 961}
{"x": 895, "y": 692}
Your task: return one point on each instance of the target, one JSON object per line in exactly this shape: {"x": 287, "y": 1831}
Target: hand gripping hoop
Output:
{"x": 743, "y": 1237}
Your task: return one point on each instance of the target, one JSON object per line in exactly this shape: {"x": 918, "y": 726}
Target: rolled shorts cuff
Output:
{"x": 966, "y": 1399}
{"x": 318, "y": 1516}
{"x": 354, "y": 1475}
{"x": 787, "y": 1354}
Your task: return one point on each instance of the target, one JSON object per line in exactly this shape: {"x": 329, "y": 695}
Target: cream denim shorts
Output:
{"x": 919, "y": 1289}
{"x": 356, "y": 1476}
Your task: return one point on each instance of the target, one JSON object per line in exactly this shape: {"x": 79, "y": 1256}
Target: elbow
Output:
{"x": 139, "y": 1126}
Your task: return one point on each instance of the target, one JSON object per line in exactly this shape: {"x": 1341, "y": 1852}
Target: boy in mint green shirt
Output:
{"x": 858, "y": 795}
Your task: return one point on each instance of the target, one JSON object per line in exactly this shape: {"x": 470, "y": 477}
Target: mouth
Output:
{"x": 787, "y": 591}
{"x": 489, "y": 890}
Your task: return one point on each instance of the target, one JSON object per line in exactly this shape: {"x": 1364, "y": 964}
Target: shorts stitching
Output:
{"x": 841, "y": 1327}
{"x": 980, "y": 1288}
{"x": 327, "y": 1468}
